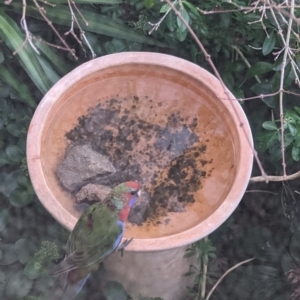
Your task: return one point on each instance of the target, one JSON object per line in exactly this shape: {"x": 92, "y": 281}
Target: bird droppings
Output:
{"x": 165, "y": 157}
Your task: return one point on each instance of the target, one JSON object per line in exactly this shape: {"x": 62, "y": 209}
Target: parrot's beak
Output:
{"x": 139, "y": 193}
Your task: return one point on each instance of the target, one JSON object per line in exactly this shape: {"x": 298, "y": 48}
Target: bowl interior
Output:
{"x": 152, "y": 93}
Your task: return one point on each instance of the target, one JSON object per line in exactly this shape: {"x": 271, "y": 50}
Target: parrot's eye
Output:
{"x": 133, "y": 192}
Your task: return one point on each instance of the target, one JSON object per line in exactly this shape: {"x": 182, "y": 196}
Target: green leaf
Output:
{"x": 14, "y": 129}
{"x": 14, "y": 153}
{"x": 9, "y": 255}
{"x": 165, "y": 8}
{"x": 186, "y": 17}
{"x": 109, "y": 47}
{"x": 297, "y": 141}
{"x": 13, "y": 37}
{"x": 1, "y": 57}
{"x": 259, "y": 68}
{"x": 4, "y": 218}
{"x": 171, "y": 21}
{"x": 3, "y": 160}
{"x": 52, "y": 76}
{"x": 119, "y": 45}
{"x": 264, "y": 140}
{"x": 269, "y": 125}
{"x": 24, "y": 249}
{"x": 113, "y": 290}
{"x": 149, "y": 3}
{"x": 181, "y": 35}
{"x": 288, "y": 139}
{"x": 9, "y": 76}
{"x": 10, "y": 182}
{"x": 23, "y": 181}
{"x": 275, "y": 151}
{"x": 296, "y": 153}
{"x": 293, "y": 129}
{"x": 269, "y": 44}
{"x": 263, "y": 89}
{"x": 297, "y": 109}
{"x": 57, "y": 61}
{"x": 225, "y": 20}
{"x": 33, "y": 269}
{"x": 291, "y": 115}
{"x": 18, "y": 286}
{"x": 20, "y": 197}
{"x": 192, "y": 8}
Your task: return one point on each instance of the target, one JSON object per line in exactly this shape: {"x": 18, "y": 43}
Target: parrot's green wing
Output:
{"x": 96, "y": 234}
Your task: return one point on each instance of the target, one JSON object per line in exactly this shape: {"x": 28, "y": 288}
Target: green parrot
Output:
{"x": 97, "y": 233}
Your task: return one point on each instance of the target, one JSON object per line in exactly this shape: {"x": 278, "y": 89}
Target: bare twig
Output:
{"x": 204, "y": 279}
{"x": 225, "y": 274}
{"x": 43, "y": 14}
{"x": 39, "y": 40}
{"x": 207, "y": 57}
{"x": 241, "y": 8}
{"x": 284, "y": 12}
{"x": 156, "y": 25}
{"x": 279, "y": 30}
{"x": 82, "y": 33}
{"x": 255, "y": 7}
{"x": 275, "y": 178}
{"x": 27, "y": 32}
{"x": 47, "y": 3}
{"x": 262, "y": 96}
{"x": 261, "y": 19}
{"x": 286, "y": 51}
{"x": 261, "y": 191}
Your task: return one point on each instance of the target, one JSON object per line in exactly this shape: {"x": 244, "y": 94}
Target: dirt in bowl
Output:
{"x": 167, "y": 157}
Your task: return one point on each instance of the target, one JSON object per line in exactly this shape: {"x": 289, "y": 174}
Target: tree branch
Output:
{"x": 275, "y": 178}
{"x": 208, "y": 58}
{"x": 225, "y": 274}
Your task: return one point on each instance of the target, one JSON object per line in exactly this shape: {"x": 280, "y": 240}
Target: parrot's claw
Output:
{"x": 124, "y": 245}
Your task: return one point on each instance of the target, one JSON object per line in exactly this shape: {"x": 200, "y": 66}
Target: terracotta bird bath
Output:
{"x": 151, "y": 88}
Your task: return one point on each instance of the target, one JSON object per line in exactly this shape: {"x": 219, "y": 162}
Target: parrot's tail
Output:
{"x": 65, "y": 290}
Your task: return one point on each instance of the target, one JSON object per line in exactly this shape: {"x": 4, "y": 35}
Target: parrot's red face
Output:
{"x": 134, "y": 185}
{"x": 133, "y": 191}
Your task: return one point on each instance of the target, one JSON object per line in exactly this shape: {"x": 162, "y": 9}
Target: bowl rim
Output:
{"x": 243, "y": 171}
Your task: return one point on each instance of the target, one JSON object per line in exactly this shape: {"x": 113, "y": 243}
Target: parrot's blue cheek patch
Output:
{"x": 132, "y": 201}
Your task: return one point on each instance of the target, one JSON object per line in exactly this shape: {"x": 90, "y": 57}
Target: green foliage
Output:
{"x": 117, "y": 26}
{"x": 202, "y": 250}
{"x": 14, "y": 121}
{"x": 272, "y": 275}
{"x": 41, "y": 259}
{"x": 113, "y": 290}
{"x": 19, "y": 284}
{"x": 269, "y": 139}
